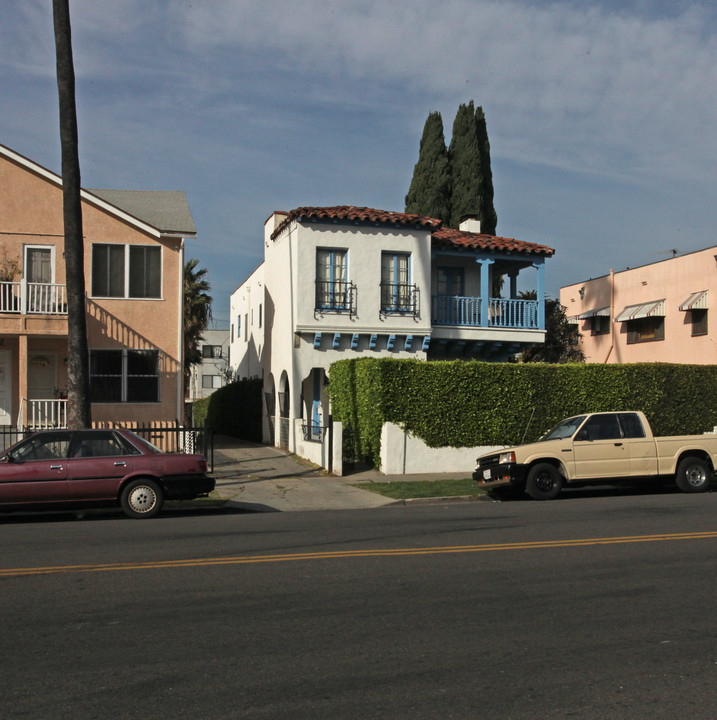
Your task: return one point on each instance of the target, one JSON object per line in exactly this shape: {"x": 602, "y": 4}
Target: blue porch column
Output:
{"x": 485, "y": 264}
{"x": 539, "y": 265}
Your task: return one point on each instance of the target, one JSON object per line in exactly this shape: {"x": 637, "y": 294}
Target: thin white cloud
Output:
{"x": 571, "y": 85}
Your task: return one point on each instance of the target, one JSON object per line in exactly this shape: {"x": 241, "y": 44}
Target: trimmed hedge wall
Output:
{"x": 235, "y": 410}
{"x": 468, "y": 404}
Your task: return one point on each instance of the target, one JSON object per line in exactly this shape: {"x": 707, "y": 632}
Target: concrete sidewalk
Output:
{"x": 262, "y": 478}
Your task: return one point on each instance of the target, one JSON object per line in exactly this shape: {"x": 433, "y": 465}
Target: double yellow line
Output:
{"x": 341, "y": 554}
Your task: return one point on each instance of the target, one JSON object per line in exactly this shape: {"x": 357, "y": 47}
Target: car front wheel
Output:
{"x": 141, "y": 499}
{"x": 544, "y": 482}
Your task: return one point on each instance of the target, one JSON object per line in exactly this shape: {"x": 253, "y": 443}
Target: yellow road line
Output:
{"x": 338, "y": 554}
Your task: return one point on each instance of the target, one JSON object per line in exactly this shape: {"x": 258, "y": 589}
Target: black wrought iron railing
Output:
{"x": 399, "y": 299}
{"x": 335, "y": 296}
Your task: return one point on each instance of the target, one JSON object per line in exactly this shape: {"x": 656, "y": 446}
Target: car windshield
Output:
{"x": 565, "y": 428}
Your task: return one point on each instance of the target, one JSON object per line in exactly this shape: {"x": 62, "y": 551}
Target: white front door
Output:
{"x": 5, "y": 387}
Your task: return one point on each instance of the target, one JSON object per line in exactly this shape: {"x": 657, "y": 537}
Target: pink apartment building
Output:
{"x": 652, "y": 313}
{"x": 134, "y": 260}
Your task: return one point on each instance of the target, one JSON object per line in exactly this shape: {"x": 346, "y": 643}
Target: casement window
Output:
{"x": 647, "y": 329}
{"x": 396, "y": 290}
{"x": 126, "y": 271}
{"x": 331, "y": 280}
{"x": 124, "y": 376}
{"x": 211, "y": 351}
{"x": 211, "y": 381}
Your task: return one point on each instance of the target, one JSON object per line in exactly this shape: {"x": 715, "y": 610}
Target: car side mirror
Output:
{"x": 582, "y": 435}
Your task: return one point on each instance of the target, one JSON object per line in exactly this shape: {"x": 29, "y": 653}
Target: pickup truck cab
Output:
{"x": 596, "y": 448}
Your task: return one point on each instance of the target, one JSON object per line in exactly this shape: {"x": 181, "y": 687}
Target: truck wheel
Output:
{"x": 544, "y": 482}
{"x": 693, "y": 475}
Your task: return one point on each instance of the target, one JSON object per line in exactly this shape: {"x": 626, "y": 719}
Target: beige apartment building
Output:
{"x": 133, "y": 259}
{"x": 652, "y": 313}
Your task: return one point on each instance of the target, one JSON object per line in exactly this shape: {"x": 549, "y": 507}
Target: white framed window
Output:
{"x": 39, "y": 264}
{"x": 126, "y": 271}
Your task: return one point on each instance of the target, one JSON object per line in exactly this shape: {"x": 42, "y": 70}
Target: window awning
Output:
{"x": 654, "y": 308}
{"x": 695, "y": 301}
{"x": 596, "y": 312}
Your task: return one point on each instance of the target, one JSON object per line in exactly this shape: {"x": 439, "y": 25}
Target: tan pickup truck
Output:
{"x": 598, "y": 448}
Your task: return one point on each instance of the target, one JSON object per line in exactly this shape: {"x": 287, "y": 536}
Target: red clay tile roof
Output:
{"x": 447, "y": 238}
{"x": 355, "y": 215}
{"x": 442, "y": 238}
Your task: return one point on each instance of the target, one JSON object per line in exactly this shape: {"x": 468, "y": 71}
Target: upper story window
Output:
{"x": 39, "y": 264}
{"x": 211, "y": 351}
{"x": 699, "y": 322}
{"x": 397, "y": 293}
{"x": 333, "y": 291}
{"x": 647, "y": 329}
{"x": 126, "y": 271}
{"x": 599, "y": 325}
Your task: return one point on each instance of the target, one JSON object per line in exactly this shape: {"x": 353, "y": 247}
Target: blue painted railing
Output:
{"x": 466, "y": 311}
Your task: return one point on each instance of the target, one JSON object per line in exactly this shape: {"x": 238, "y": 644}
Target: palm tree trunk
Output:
{"x": 78, "y": 385}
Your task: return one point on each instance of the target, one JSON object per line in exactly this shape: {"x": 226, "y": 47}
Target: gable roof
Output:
{"x": 450, "y": 238}
{"x": 169, "y": 216}
{"x": 167, "y": 210}
{"x": 350, "y": 214}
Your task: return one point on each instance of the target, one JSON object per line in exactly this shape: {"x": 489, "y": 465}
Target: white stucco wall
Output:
{"x": 247, "y": 325}
{"x": 404, "y": 454}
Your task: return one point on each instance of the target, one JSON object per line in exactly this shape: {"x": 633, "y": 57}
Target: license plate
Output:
{"x": 486, "y": 474}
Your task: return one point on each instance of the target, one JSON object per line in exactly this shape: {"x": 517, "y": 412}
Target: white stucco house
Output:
{"x": 339, "y": 282}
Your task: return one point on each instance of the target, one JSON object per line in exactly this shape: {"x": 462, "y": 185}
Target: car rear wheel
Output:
{"x": 693, "y": 475}
{"x": 141, "y": 499}
{"x": 544, "y": 482}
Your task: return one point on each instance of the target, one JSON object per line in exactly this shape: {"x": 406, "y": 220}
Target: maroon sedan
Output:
{"x": 69, "y": 467}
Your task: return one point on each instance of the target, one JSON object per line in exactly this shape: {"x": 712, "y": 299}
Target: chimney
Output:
{"x": 469, "y": 223}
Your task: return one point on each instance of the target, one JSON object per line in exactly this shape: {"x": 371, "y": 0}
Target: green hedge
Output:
{"x": 468, "y": 404}
{"x": 235, "y": 410}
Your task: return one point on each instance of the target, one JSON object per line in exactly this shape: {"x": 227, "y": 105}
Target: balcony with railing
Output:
{"x": 399, "y": 299}
{"x": 492, "y": 313}
{"x": 335, "y": 296}
{"x": 24, "y": 298}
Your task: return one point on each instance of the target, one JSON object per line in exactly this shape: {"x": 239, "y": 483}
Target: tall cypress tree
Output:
{"x": 465, "y": 160}
{"x": 488, "y": 216}
{"x": 430, "y": 190}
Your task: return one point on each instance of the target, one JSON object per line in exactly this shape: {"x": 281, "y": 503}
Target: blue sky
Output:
{"x": 601, "y": 115}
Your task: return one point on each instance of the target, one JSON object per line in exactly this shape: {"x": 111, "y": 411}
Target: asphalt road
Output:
{"x": 590, "y": 606}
